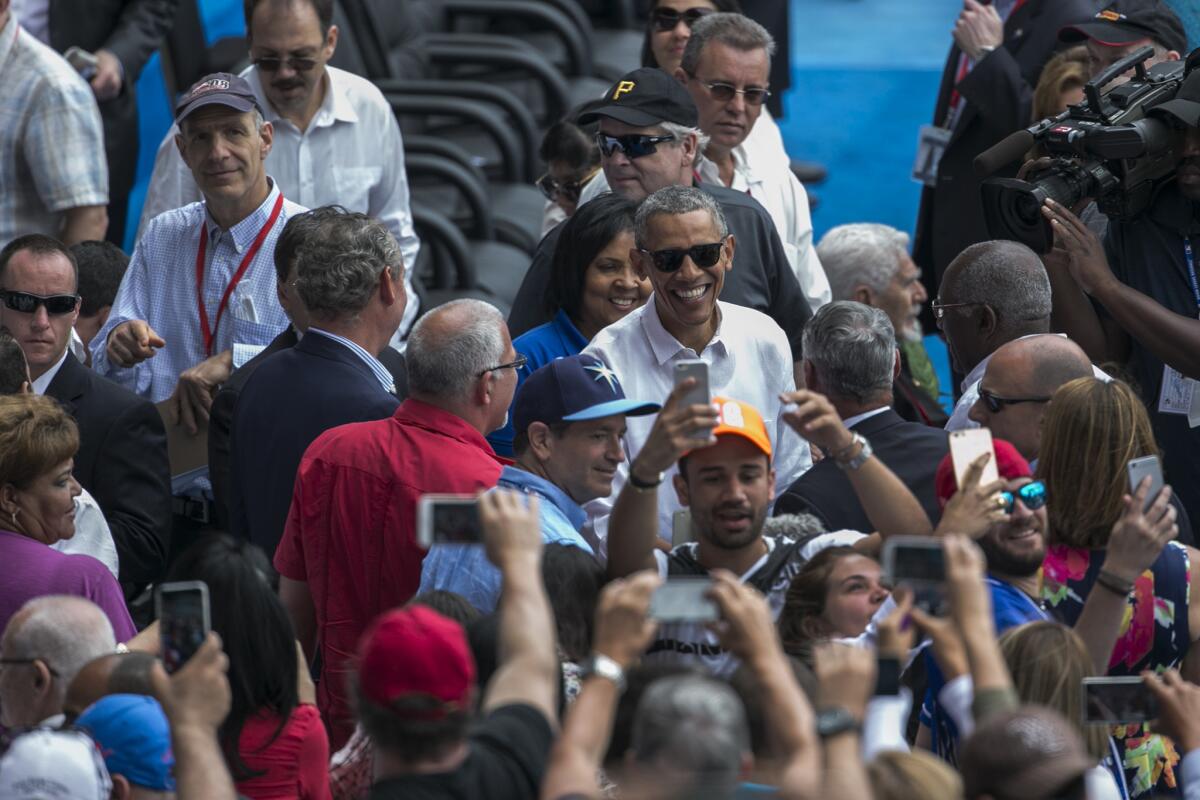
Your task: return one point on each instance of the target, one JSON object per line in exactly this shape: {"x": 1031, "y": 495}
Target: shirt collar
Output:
{"x": 528, "y": 482}
{"x": 571, "y": 336}
{"x": 850, "y": 422}
{"x": 710, "y": 173}
{"x": 417, "y": 412}
{"x": 335, "y": 107}
{"x": 374, "y": 364}
{"x": 247, "y": 230}
{"x": 8, "y": 36}
{"x": 41, "y": 384}
{"x": 662, "y": 343}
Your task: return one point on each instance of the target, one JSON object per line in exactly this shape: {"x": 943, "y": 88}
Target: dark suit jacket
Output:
{"x": 911, "y": 450}
{"x": 761, "y": 277}
{"x": 122, "y": 461}
{"x": 293, "y": 397}
{"x": 998, "y": 97}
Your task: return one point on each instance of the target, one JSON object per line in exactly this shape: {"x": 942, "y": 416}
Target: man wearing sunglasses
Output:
{"x": 725, "y": 68}
{"x": 336, "y": 139}
{"x": 648, "y": 141}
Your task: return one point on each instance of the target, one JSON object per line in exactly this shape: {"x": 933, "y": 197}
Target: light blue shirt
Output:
{"x": 377, "y": 368}
{"x": 464, "y": 568}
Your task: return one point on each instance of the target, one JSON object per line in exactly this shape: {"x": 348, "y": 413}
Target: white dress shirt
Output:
{"x": 41, "y": 383}
{"x": 34, "y": 16}
{"x": 749, "y": 359}
{"x": 92, "y": 535}
{"x": 350, "y": 155}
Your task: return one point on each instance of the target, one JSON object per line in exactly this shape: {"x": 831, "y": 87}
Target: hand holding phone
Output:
{"x": 918, "y": 562}
{"x": 183, "y": 620}
{"x": 1118, "y": 701}
{"x": 448, "y": 519}
{"x": 683, "y": 600}
{"x": 1146, "y": 467}
{"x": 698, "y": 394}
{"x": 968, "y": 445}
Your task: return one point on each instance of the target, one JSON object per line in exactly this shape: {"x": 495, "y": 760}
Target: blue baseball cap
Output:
{"x": 573, "y": 389}
{"x": 134, "y": 738}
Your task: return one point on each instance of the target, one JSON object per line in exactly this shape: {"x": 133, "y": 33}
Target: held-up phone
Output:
{"x": 919, "y": 563}
{"x": 681, "y": 527}
{"x": 1117, "y": 701}
{"x": 1138, "y": 469}
{"x": 683, "y": 600}
{"x": 183, "y": 620}
{"x": 968, "y": 445}
{"x": 83, "y": 62}
{"x": 698, "y": 395}
{"x": 448, "y": 518}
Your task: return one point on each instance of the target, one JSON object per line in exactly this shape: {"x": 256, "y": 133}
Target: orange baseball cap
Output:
{"x": 742, "y": 419}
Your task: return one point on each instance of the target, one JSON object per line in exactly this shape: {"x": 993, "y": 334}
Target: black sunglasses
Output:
{"x": 1033, "y": 497}
{"x": 274, "y": 63}
{"x": 724, "y": 92}
{"x": 27, "y": 303}
{"x": 633, "y": 146}
{"x": 702, "y": 255}
{"x": 995, "y": 403}
{"x": 568, "y": 190}
{"x": 666, "y": 19}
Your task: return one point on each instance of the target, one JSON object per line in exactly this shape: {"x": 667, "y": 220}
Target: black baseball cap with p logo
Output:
{"x": 643, "y": 98}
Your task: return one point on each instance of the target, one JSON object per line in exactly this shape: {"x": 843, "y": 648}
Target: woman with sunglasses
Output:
{"x": 38, "y": 442}
{"x": 1092, "y": 429}
{"x": 670, "y": 27}
{"x": 593, "y": 284}
{"x": 572, "y": 159}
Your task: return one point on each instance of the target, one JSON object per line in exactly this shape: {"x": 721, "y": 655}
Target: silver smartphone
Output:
{"x": 698, "y": 395}
{"x": 919, "y": 563}
{"x": 183, "y": 620}
{"x": 683, "y": 600}
{"x": 681, "y": 527}
{"x": 1146, "y": 466}
{"x": 1117, "y": 701}
{"x": 83, "y": 61}
{"x": 448, "y": 518}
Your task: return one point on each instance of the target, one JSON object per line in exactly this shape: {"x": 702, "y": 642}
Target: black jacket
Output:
{"x": 909, "y": 449}
{"x": 122, "y": 461}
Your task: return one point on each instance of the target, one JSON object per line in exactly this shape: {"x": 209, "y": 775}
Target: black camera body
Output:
{"x": 1105, "y": 148}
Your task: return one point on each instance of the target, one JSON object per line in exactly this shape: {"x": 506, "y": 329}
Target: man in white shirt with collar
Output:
{"x": 684, "y": 248}
{"x": 336, "y": 139}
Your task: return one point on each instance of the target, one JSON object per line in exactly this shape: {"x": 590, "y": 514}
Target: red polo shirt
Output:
{"x": 351, "y": 531}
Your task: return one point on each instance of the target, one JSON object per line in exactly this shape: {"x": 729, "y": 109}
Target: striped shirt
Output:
{"x": 376, "y": 366}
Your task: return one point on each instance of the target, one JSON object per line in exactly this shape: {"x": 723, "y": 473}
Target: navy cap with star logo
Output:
{"x": 573, "y": 389}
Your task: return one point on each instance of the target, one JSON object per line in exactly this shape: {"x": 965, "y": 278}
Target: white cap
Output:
{"x": 45, "y": 764}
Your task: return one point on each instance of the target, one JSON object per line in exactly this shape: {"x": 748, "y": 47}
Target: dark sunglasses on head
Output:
{"x": 702, "y": 255}
{"x": 274, "y": 63}
{"x": 995, "y": 403}
{"x": 665, "y": 19}
{"x": 1033, "y": 497}
{"x": 724, "y": 92}
{"x": 633, "y": 146}
{"x": 27, "y": 303}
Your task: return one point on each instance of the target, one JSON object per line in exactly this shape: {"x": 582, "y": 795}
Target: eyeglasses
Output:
{"x": 724, "y": 92}
{"x": 27, "y": 303}
{"x": 568, "y": 190}
{"x": 17, "y": 661}
{"x": 939, "y": 308}
{"x": 1033, "y": 497}
{"x": 995, "y": 403}
{"x": 633, "y": 146}
{"x": 274, "y": 63}
{"x": 518, "y": 365}
{"x": 665, "y": 19}
{"x": 703, "y": 256}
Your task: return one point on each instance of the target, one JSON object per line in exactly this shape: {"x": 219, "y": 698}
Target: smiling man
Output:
{"x": 570, "y": 417}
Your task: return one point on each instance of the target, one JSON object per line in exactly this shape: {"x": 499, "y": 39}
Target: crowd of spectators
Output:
{"x": 675, "y": 482}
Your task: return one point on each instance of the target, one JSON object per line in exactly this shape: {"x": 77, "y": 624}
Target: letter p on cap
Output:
{"x": 624, "y": 87}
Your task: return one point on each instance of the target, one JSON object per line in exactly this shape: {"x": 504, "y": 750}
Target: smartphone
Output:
{"x": 448, "y": 518}
{"x": 183, "y": 620}
{"x": 698, "y": 395}
{"x": 681, "y": 527}
{"x": 919, "y": 563}
{"x": 1117, "y": 701}
{"x": 683, "y": 600}
{"x": 968, "y": 445}
{"x": 82, "y": 61}
{"x": 1138, "y": 469}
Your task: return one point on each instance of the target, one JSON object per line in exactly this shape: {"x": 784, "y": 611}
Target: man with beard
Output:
{"x": 1135, "y": 299}
{"x": 727, "y": 482}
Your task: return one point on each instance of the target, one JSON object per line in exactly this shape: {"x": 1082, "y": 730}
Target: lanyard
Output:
{"x": 1191, "y": 265}
{"x": 210, "y": 334}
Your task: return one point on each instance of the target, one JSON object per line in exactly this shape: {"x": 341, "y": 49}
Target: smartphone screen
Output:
{"x": 183, "y": 620}
{"x": 448, "y": 519}
{"x": 698, "y": 395}
{"x": 1140, "y": 468}
{"x": 1117, "y": 701}
{"x": 968, "y": 445}
{"x": 683, "y": 600}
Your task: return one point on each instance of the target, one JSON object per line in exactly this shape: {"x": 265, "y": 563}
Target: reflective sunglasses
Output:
{"x": 518, "y": 365}
{"x": 665, "y": 19}
{"x": 995, "y": 403}
{"x": 703, "y": 256}
{"x": 724, "y": 92}
{"x": 568, "y": 190}
{"x": 634, "y": 145}
{"x": 274, "y": 63}
{"x": 27, "y": 303}
{"x": 1033, "y": 497}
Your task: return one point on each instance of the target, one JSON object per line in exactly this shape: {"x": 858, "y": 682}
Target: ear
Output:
{"x": 688, "y": 151}
{"x": 730, "y": 247}
{"x": 26, "y": 388}
{"x": 267, "y": 134}
{"x": 8, "y": 499}
{"x": 682, "y": 490}
{"x": 331, "y": 40}
{"x": 896, "y": 366}
{"x": 863, "y": 294}
{"x": 988, "y": 322}
{"x": 539, "y": 440}
{"x": 681, "y": 76}
{"x": 42, "y": 679}
{"x": 1172, "y": 55}
{"x": 810, "y": 375}
{"x": 641, "y": 263}
{"x": 102, "y": 315}
{"x": 746, "y": 768}
{"x": 181, "y": 146}
{"x": 771, "y": 485}
{"x": 121, "y": 790}
{"x": 281, "y": 295}
{"x": 387, "y": 289}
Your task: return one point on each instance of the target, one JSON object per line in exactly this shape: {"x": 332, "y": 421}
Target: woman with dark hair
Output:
{"x": 670, "y": 26}
{"x": 593, "y": 284}
{"x": 572, "y": 159}
{"x": 273, "y": 739}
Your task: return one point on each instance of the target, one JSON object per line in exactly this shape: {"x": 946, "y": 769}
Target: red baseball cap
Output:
{"x": 1009, "y": 463}
{"x": 415, "y": 651}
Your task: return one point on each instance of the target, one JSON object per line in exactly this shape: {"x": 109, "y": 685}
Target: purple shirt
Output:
{"x": 31, "y": 569}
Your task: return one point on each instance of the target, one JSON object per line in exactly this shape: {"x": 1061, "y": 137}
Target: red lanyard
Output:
{"x": 210, "y": 334}
{"x": 964, "y": 67}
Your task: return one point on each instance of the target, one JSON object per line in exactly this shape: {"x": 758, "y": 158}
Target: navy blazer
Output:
{"x": 910, "y": 449}
{"x": 293, "y": 397}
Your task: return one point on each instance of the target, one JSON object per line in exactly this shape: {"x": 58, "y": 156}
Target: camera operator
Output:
{"x": 1135, "y": 298}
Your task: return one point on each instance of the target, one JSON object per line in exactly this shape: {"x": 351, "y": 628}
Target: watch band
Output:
{"x": 602, "y": 666}
{"x": 854, "y": 462}
{"x": 1114, "y": 583}
{"x": 645, "y": 486}
{"x": 835, "y": 721}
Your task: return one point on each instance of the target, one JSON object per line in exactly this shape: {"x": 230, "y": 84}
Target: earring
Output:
{"x": 14, "y": 518}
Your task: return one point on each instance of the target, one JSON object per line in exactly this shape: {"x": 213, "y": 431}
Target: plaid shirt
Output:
{"x": 51, "y": 138}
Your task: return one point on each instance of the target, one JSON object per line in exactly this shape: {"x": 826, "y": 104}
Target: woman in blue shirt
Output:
{"x": 593, "y": 285}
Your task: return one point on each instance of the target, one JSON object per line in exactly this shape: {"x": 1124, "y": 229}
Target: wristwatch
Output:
{"x": 834, "y": 721}
{"x": 644, "y": 486}
{"x": 604, "y": 667}
{"x": 864, "y": 452}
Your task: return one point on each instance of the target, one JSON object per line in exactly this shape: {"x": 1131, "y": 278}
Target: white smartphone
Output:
{"x": 83, "y": 61}
{"x": 1117, "y": 701}
{"x": 449, "y": 518}
{"x": 683, "y": 600}
{"x": 1146, "y": 466}
{"x": 183, "y": 620}
{"x": 698, "y": 395}
{"x": 681, "y": 527}
{"x": 968, "y": 445}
